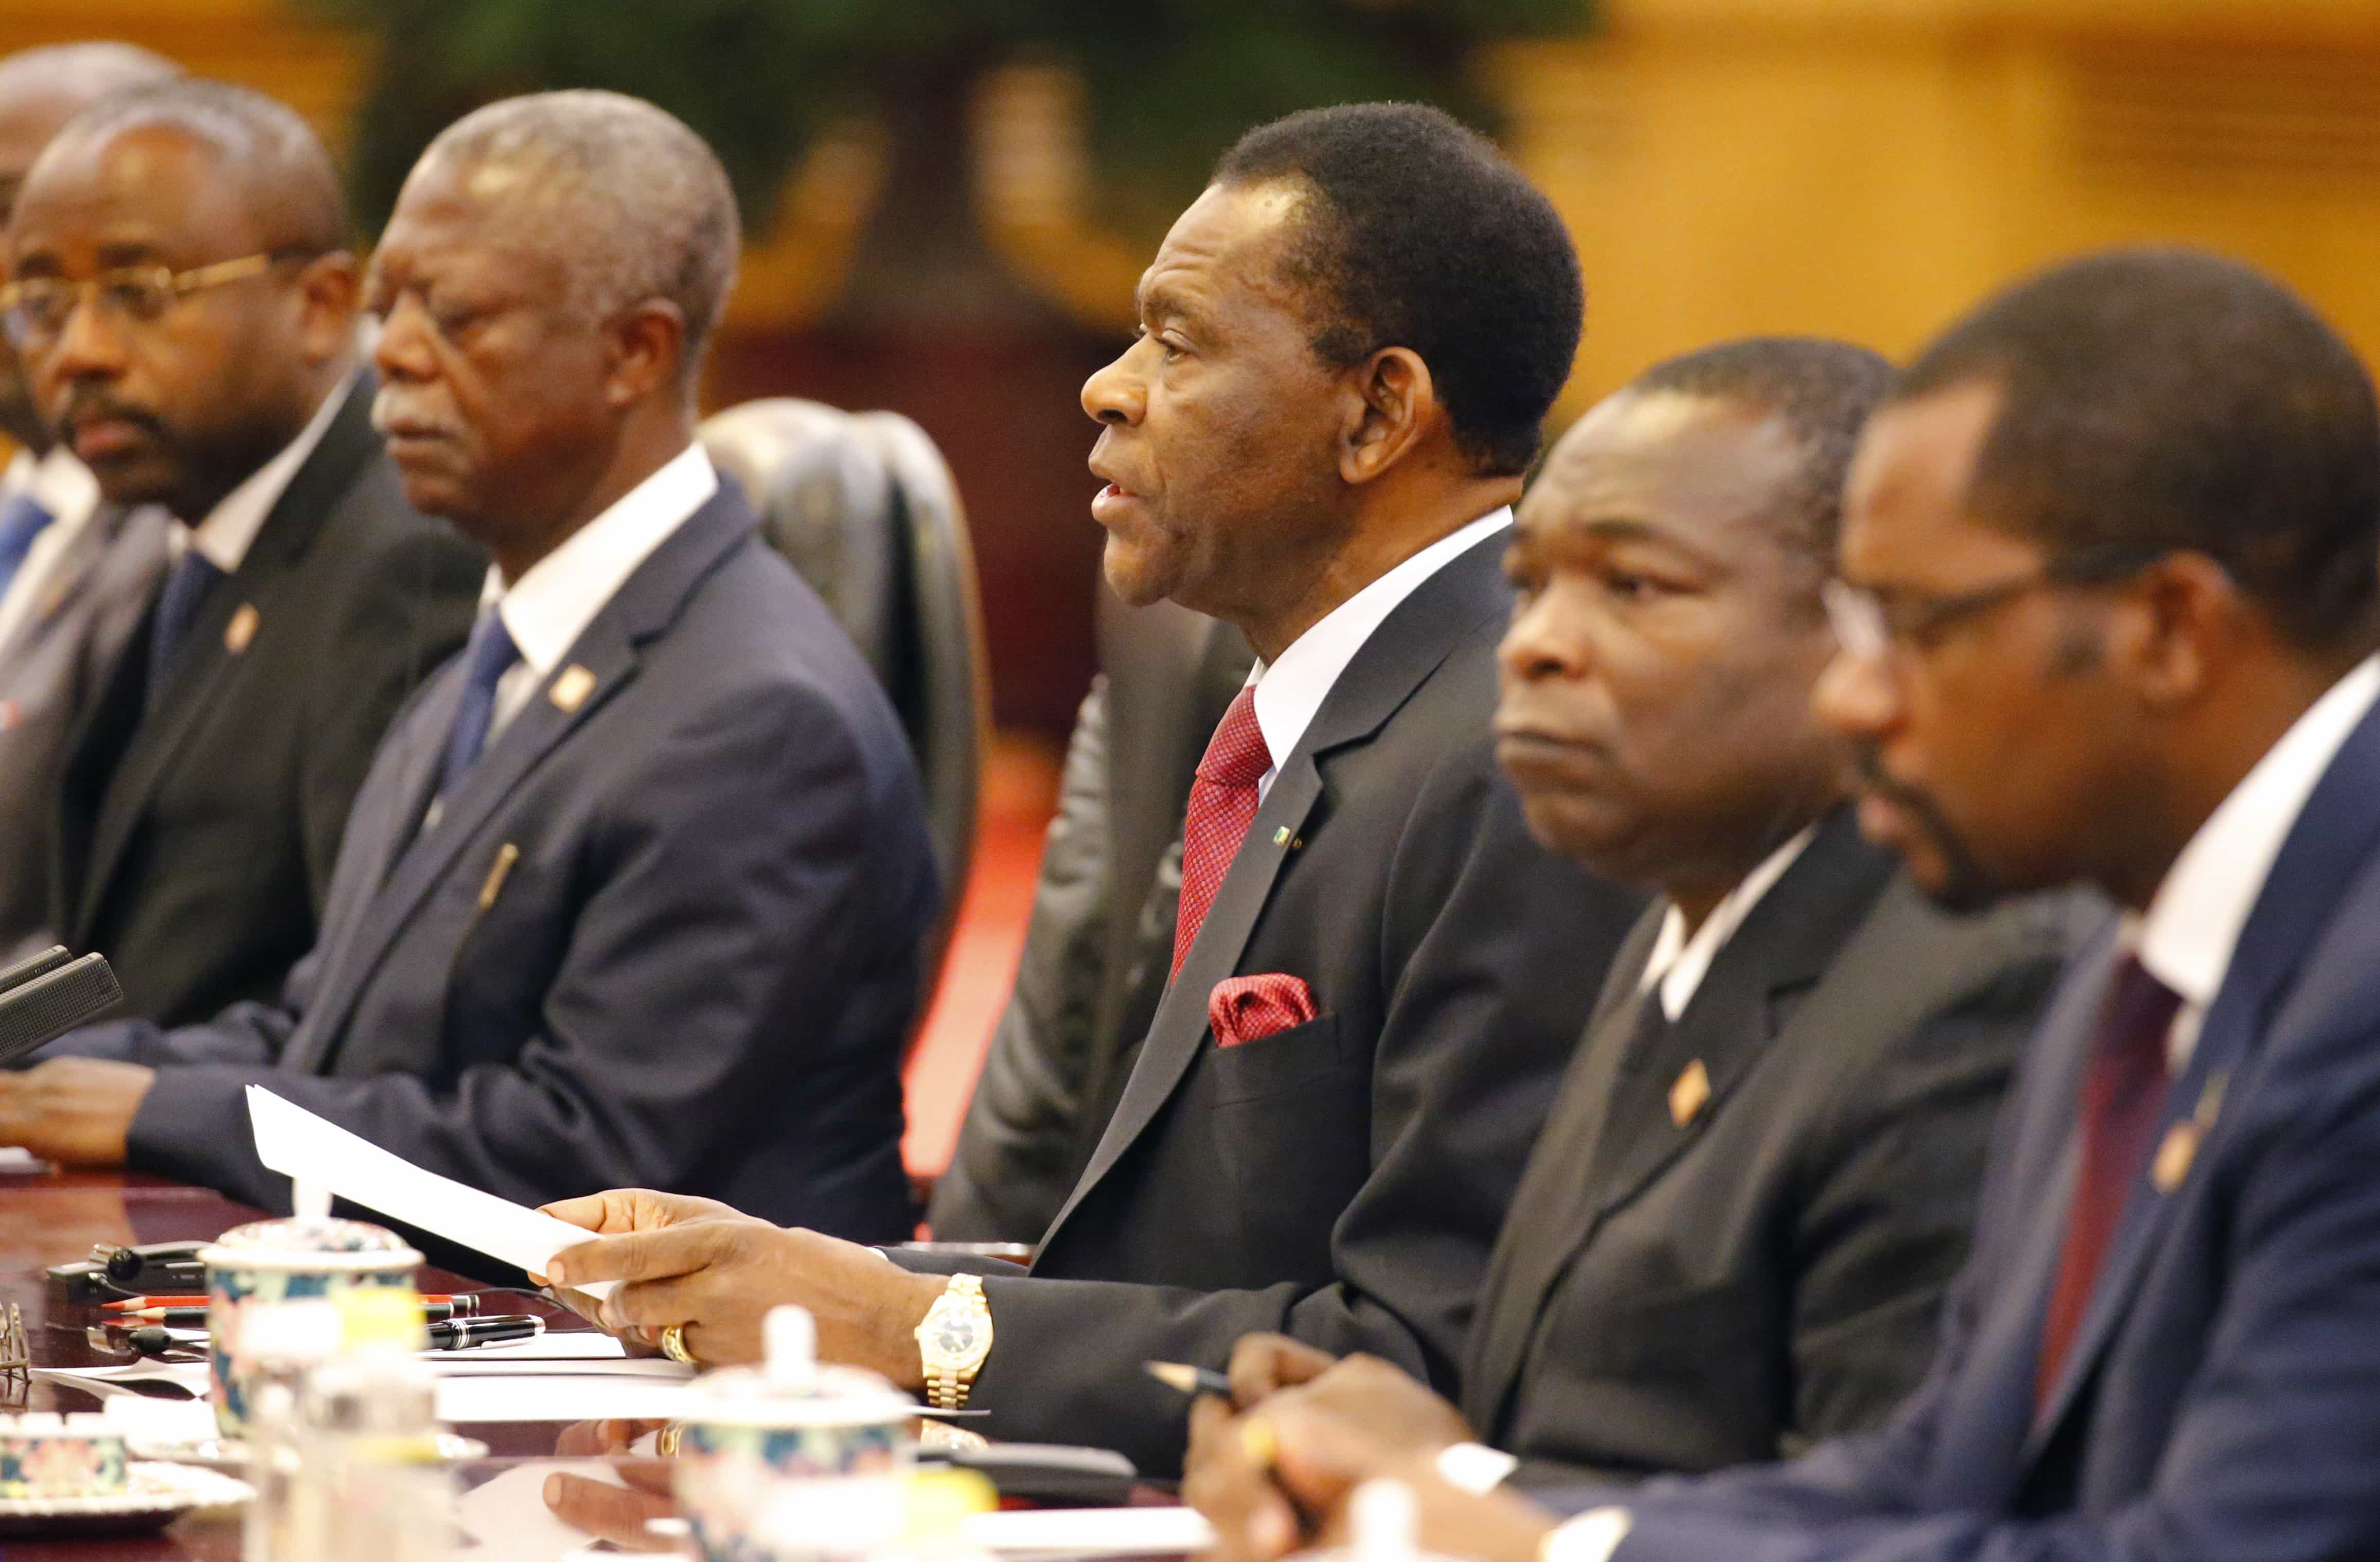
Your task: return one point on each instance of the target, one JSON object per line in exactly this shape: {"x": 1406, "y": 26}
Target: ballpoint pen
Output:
{"x": 456, "y": 1333}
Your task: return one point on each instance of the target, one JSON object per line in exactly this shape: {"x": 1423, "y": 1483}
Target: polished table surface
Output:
{"x": 55, "y": 1218}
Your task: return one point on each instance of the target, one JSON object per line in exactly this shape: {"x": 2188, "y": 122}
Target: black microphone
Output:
{"x": 43, "y": 997}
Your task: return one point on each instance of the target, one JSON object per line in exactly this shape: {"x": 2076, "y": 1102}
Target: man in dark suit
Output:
{"x": 2108, "y": 611}
{"x": 639, "y": 885}
{"x": 186, "y": 308}
{"x": 1733, "y": 1236}
{"x": 1098, "y": 947}
{"x": 75, "y": 573}
{"x": 1349, "y": 340}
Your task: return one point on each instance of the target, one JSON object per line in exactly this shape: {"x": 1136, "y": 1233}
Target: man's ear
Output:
{"x": 2187, "y": 615}
{"x": 647, "y": 343}
{"x": 330, "y": 288}
{"x": 1393, "y": 405}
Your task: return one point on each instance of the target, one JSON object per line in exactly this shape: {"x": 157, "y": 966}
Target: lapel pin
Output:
{"x": 506, "y": 854}
{"x": 12, "y": 715}
{"x": 1690, "y": 1094}
{"x": 241, "y": 629}
{"x": 52, "y": 599}
{"x": 2174, "y": 1156}
{"x": 1281, "y": 836}
{"x": 570, "y": 690}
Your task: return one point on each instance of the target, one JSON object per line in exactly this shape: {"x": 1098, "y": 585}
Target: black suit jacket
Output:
{"x": 1101, "y": 935}
{"x": 1341, "y": 1181}
{"x": 196, "y": 841}
{"x": 1683, "y": 1298}
{"x": 666, "y": 932}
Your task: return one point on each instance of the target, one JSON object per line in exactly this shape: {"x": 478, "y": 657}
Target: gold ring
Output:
{"x": 674, "y": 1346}
{"x": 1258, "y": 1441}
{"x": 665, "y": 1443}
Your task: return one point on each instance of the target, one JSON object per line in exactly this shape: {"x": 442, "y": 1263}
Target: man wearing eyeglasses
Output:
{"x": 2110, "y": 614}
{"x": 76, "y": 572}
{"x": 184, "y": 305}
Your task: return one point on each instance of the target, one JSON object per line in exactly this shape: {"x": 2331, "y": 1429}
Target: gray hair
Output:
{"x": 283, "y": 173}
{"x": 650, "y": 212}
{"x": 82, "y": 71}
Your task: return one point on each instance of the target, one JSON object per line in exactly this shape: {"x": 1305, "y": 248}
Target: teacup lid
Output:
{"x": 310, "y": 1242}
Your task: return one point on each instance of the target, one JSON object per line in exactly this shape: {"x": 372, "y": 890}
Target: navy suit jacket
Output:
{"x": 667, "y": 932}
{"x": 2222, "y": 1400}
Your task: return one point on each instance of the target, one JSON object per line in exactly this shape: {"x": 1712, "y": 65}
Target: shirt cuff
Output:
{"x": 1474, "y": 1467}
{"x": 1593, "y": 1536}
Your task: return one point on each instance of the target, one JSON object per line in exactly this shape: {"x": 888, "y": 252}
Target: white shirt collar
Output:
{"x": 230, "y": 529}
{"x": 550, "y": 606}
{"x": 1679, "y": 963}
{"x": 2192, "y": 924}
{"x": 58, "y": 482}
{"x": 1292, "y": 689}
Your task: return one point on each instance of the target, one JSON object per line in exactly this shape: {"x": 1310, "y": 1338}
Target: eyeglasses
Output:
{"x": 35, "y": 309}
{"x": 1869, "y": 624}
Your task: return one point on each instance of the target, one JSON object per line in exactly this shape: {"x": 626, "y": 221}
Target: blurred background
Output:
{"x": 948, "y": 201}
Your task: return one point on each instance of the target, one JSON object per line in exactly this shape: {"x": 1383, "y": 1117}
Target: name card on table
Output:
{"x": 295, "y": 1143}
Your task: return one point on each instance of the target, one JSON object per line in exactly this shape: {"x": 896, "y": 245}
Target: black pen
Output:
{"x": 1185, "y": 1378}
{"x": 454, "y": 1334}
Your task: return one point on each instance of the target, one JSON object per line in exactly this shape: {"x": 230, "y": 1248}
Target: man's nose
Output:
{"x": 1856, "y": 695}
{"x": 1115, "y": 394}
{"x": 403, "y": 350}
{"x": 87, "y": 347}
{"x": 1544, "y": 640}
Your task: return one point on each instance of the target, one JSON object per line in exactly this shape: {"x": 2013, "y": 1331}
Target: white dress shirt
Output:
{"x": 230, "y": 527}
{"x": 551, "y": 605}
{"x": 64, "y": 487}
{"x": 1293, "y": 687}
{"x": 1679, "y": 962}
{"x": 2186, "y": 939}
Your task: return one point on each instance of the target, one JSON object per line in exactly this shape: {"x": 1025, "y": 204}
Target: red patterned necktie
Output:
{"x": 1223, "y": 802}
{"x": 2122, "y": 1099}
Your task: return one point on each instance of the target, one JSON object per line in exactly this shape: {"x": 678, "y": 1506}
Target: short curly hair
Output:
{"x": 1420, "y": 234}
{"x": 2157, "y": 398}
{"x": 1822, "y": 389}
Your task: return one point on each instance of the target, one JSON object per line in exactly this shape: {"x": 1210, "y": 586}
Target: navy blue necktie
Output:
{"x": 21, "y": 520}
{"x": 177, "y": 608}
{"x": 488, "y": 656}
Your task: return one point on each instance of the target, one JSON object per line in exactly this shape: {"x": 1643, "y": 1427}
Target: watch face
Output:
{"x": 956, "y": 1334}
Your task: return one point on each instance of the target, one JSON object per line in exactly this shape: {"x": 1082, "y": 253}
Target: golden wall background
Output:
{"x": 1861, "y": 167}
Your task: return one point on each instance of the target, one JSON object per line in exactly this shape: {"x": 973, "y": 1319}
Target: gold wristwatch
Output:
{"x": 954, "y": 1341}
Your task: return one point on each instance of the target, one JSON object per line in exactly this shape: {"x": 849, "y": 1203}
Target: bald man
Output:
{"x": 185, "y": 304}
{"x": 636, "y": 888}
{"x": 75, "y": 573}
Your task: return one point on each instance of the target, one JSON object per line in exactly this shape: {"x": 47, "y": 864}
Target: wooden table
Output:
{"x": 56, "y": 1217}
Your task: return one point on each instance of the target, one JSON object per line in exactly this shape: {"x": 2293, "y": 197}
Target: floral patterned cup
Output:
{"x": 272, "y": 1261}
{"x": 51, "y": 1455}
{"x": 766, "y": 1476}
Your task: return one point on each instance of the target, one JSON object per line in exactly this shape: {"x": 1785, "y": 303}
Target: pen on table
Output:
{"x": 191, "y": 1315}
{"x": 1186, "y": 1379}
{"x": 434, "y": 1307}
{"x": 454, "y": 1334}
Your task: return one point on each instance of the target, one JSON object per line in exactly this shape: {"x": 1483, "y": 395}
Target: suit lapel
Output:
{"x": 196, "y": 679}
{"x": 609, "y": 650}
{"x": 1551, "y": 1210}
{"x": 2328, "y": 844}
{"x": 1398, "y": 658}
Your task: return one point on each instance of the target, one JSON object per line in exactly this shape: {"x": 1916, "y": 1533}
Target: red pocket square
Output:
{"x": 1245, "y": 1008}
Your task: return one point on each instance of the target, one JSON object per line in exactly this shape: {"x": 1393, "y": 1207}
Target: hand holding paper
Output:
{"x": 294, "y": 1142}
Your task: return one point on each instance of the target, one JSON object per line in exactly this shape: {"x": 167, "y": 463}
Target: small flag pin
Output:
{"x": 1690, "y": 1094}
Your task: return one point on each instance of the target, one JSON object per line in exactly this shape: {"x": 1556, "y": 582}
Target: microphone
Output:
{"x": 43, "y": 997}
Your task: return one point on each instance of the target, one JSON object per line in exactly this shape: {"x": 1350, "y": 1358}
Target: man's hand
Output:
{"x": 617, "y": 1514}
{"x": 73, "y": 1110}
{"x": 719, "y": 1277}
{"x": 1263, "y": 1364}
{"x": 1287, "y": 1483}
{"x": 624, "y": 1210}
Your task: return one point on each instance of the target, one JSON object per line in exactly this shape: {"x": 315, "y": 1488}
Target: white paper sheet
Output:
{"x": 507, "y": 1517}
{"x": 560, "y": 1397}
{"x": 294, "y": 1142}
{"x": 189, "y": 1375}
{"x": 1091, "y": 1532}
{"x": 466, "y": 1363}
{"x": 567, "y": 1345}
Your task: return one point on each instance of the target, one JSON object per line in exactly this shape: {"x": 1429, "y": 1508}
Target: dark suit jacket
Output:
{"x": 2222, "y": 1398}
{"x": 1343, "y": 1180}
{"x": 1684, "y": 1299}
{"x": 195, "y": 843}
{"x": 697, "y": 971}
{"x": 50, "y": 667}
{"x": 1101, "y": 935}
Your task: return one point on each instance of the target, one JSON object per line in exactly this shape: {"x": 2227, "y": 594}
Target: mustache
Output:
{"x": 387, "y": 413}
{"x": 85, "y": 407}
{"x": 1966, "y": 887}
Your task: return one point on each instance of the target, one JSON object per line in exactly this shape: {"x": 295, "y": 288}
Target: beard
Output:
{"x": 1965, "y": 888}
